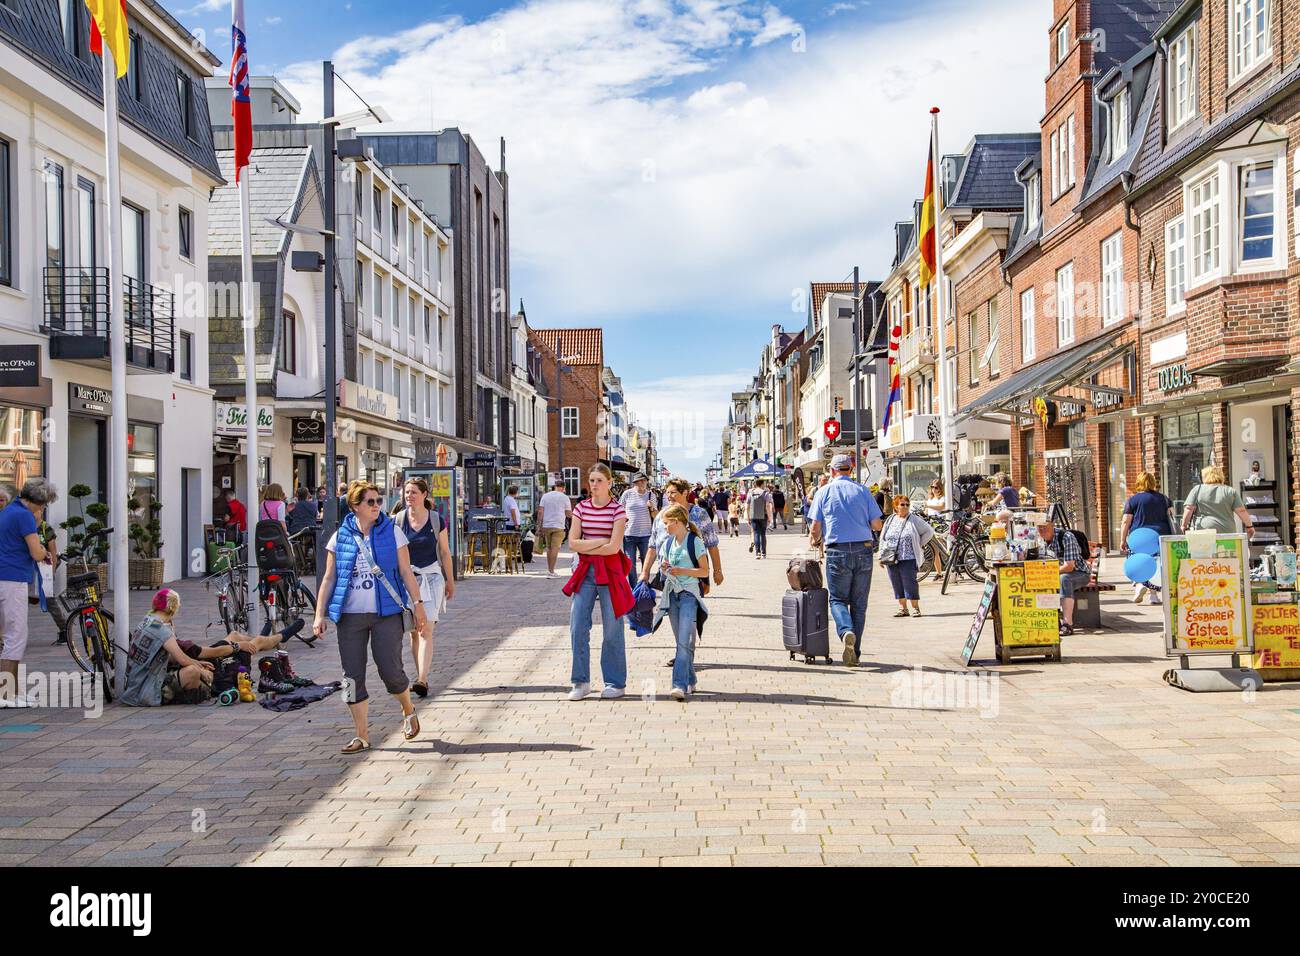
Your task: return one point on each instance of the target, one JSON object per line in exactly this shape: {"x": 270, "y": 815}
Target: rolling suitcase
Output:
{"x": 805, "y": 624}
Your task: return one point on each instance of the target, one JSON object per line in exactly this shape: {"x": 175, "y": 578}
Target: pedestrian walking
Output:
{"x": 430, "y": 554}
{"x": 365, "y": 590}
{"x": 722, "y": 510}
{"x": 1213, "y": 503}
{"x": 21, "y": 549}
{"x": 601, "y": 576}
{"x": 845, "y": 518}
{"x": 555, "y": 508}
{"x": 639, "y": 505}
{"x": 733, "y": 515}
{"x": 758, "y": 505}
{"x": 778, "y": 508}
{"x": 675, "y": 494}
{"x": 685, "y": 568}
{"x": 902, "y": 547}
{"x": 1146, "y": 508}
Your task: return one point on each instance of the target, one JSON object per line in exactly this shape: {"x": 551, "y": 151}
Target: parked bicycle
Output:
{"x": 967, "y": 558}
{"x": 87, "y": 627}
{"x": 283, "y": 594}
{"x": 232, "y": 596}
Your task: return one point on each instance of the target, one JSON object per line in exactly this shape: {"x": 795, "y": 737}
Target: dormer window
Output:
{"x": 1249, "y": 35}
{"x": 1119, "y": 109}
{"x": 1032, "y": 206}
{"x": 1182, "y": 78}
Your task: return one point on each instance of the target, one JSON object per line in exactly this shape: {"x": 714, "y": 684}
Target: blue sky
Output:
{"x": 680, "y": 169}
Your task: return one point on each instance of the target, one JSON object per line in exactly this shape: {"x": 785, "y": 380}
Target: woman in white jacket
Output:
{"x": 902, "y": 548}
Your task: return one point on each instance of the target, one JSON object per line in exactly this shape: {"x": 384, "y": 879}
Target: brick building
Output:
{"x": 578, "y": 435}
{"x": 1210, "y": 196}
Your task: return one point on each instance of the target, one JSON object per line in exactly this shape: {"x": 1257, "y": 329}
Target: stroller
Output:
{"x": 283, "y": 595}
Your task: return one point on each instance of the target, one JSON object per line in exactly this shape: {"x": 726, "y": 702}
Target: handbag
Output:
{"x": 408, "y": 616}
{"x": 888, "y": 552}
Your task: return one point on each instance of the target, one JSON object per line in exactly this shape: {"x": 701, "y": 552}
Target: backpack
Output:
{"x": 691, "y": 541}
{"x": 274, "y": 552}
{"x": 1085, "y": 548}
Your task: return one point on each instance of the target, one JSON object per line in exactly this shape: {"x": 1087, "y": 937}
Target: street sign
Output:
{"x": 831, "y": 429}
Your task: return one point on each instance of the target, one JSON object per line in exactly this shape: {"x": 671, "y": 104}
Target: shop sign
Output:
{"x": 1070, "y": 410}
{"x": 361, "y": 398}
{"x": 1277, "y": 635}
{"x": 232, "y": 419}
{"x": 20, "y": 366}
{"x": 403, "y": 451}
{"x": 981, "y": 615}
{"x": 1173, "y": 377}
{"x": 512, "y": 461}
{"x": 307, "y": 431}
{"x": 1101, "y": 400}
{"x": 1028, "y": 598}
{"x": 481, "y": 460}
{"x": 1207, "y": 588}
{"x": 89, "y": 400}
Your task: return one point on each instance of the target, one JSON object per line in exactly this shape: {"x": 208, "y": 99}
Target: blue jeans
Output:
{"x": 613, "y": 652}
{"x": 636, "y": 548}
{"x": 682, "y": 608}
{"x": 848, "y": 579}
{"x": 759, "y": 527}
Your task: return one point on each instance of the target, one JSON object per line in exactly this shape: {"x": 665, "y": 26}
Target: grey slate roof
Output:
{"x": 280, "y": 175}
{"x": 1127, "y": 26}
{"x": 32, "y": 28}
{"x": 988, "y": 179}
{"x": 1144, "y": 98}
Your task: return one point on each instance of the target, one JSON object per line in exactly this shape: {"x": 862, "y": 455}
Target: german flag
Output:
{"x": 108, "y": 20}
{"x": 929, "y": 216}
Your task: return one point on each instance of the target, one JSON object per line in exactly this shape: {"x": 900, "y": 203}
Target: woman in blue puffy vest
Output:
{"x": 364, "y": 591}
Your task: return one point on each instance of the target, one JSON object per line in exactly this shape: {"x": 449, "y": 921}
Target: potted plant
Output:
{"x": 146, "y": 567}
{"x": 79, "y": 528}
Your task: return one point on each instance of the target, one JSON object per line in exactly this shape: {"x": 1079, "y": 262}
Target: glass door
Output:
{"x": 1118, "y": 483}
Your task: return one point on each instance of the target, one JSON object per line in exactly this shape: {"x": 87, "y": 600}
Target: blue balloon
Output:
{"x": 1144, "y": 541}
{"x": 1139, "y": 568}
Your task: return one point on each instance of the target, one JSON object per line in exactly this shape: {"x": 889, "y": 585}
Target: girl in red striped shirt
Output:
{"x": 597, "y": 529}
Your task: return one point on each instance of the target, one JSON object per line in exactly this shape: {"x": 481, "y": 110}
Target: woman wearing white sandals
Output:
{"x": 364, "y": 592}
{"x": 431, "y": 560}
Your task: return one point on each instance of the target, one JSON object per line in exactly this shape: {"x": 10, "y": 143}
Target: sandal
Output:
{"x": 410, "y": 726}
{"x": 421, "y": 688}
{"x": 355, "y": 746}
{"x": 916, "y": 612}
{"x": 1066, "y": 629}
{"x": 902, "y": 612}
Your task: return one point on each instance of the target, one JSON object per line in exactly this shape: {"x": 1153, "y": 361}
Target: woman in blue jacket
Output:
{"x": 364, "y": 591}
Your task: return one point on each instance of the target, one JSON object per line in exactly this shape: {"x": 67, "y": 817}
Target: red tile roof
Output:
{"x": 575, "y": 346}
{"x": 822, "y": 289}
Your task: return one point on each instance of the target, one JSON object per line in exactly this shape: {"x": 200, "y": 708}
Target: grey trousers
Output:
{"x": 384, "y": 635}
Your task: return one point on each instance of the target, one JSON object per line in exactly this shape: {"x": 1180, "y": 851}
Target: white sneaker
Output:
{"x": 610, "y": 693}
{"x": 677, "y": 694}
{"x": 579, "y": 691}
{"x": 691, "y": 689}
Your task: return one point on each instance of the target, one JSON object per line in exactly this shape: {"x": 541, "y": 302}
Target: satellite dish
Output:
{"x": 988, "y": 353}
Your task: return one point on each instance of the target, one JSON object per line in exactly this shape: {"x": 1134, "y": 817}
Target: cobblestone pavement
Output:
{"x": 1093, "y": 761}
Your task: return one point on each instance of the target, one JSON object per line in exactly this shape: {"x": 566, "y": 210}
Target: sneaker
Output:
{"x": 611, "y": 693}
{"x": 677, "y": 694}
{"x": 691, "y": 689}
{"x": 1141, "y": 592}
{"x": 850, "y": 653}
{"x": 579, "y": 691}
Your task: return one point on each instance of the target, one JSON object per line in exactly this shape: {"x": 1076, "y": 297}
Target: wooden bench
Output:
{"x": 1087, "y": 605}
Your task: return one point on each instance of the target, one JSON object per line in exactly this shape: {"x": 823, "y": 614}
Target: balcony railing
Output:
{"x": 77, "y": 319}
{"x": 917, "y": 348}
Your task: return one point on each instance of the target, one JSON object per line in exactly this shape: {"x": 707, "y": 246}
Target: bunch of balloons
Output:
{"x": 1143, "y": 545}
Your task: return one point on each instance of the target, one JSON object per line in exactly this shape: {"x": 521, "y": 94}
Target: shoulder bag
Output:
{"x": 888, "y": 552}
{"x": 408, "y": 616}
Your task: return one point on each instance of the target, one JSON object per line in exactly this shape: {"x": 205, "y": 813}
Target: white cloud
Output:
{"x": 205, "y": 6}
{"x": 686, "y": 414}
{"x": 273, "y": 21}
{"x": 776, "y": 25}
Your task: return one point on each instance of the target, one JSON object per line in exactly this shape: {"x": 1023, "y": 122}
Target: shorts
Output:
{"x": 432, "y": 591}
{"x": 174, "y": 693}
{"x": 13, "y": 620}
{"x": 552, "y": 538}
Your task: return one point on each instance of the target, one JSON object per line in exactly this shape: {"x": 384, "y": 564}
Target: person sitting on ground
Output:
{"x": 165, "y": 669}
{"x": 1075, "y": 573}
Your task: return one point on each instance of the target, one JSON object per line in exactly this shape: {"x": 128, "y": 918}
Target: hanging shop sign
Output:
{"x": 20, "y": 366}
{"x": 1173, "y": 378}
{"x": 1045, "y": 411}
{"x": 307, "y": 431}
{"x": 481, "y": 460}
{"x": 1206, "y": 579}
{"x": 88, "y": 400}
{"x": 232, "y": 419}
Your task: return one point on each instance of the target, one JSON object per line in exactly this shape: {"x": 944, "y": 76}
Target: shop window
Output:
{"x": 22, "y": 450}
{"x": 142, "y": 470}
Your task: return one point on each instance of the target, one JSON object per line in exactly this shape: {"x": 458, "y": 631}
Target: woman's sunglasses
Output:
{"x": 372, "y": 501}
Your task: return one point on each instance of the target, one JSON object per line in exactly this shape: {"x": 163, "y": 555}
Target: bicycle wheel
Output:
{"x": 947, "y": 571}
{"x": 98, "y": 642}
{"x": 973, "y": 563}
{"x": 78, "y": 646}
{"x": 926, "y": 567}
{"x": 107, "y": 657}
{"x": 306, "y": 601}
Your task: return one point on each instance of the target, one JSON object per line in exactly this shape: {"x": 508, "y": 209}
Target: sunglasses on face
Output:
{"x": 370, "y": 501}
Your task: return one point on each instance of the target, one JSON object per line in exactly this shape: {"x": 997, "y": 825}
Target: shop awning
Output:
{"x": 759, "y": 468}
{"x": 620, "y": 466}
{"x": 1275, "y": 385}
{"x": 1070, "y": 368}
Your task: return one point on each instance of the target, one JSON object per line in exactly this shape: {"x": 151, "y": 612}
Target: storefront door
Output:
{"x": 1118, "y": 481}
{"x": 304, "y": 474}
{"x": 87, "y": 458}
{"x": 1186, "y": 446}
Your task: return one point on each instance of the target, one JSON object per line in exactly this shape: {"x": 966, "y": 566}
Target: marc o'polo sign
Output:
{"x": 20, "y": 366}
{"x": 307, "y": 431}
{"x": 89, "y": 400}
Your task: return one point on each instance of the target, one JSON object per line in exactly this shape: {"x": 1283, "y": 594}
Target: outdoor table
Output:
{"x": 494, "y": 523}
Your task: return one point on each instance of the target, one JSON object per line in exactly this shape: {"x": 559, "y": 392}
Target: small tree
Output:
{"x": 79, "y": 528}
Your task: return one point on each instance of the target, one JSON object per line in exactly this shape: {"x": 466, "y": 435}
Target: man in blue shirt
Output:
{"x": 20, "y": 548}
{"x": 846, "y": 517}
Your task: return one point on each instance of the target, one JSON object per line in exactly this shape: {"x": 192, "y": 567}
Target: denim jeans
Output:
{"x": 902, "y": 575}
{"x": 613, "y": 652}
{"x": 848, "y": 578}
{"x": 759, "y": 528}
{"x": 682, "y": 609}
{"x": 636, "y": 548}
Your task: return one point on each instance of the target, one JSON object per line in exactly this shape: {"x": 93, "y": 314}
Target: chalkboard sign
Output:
{"x": 981, "y": 615}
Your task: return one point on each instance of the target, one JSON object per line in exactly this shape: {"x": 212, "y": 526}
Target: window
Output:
{"x": 134, "y": 86}
{"x": 185, "y": 357}
{"x": 379, "y": 296}
{"x": 412, "y": 233}
{"x": 1065, "y": 304}
{"x": 571, "y": 482}
{"x": 1175, "y": 264}
{"x": 428, "y": 329}
{"x": 1119, "y": 124}
{"x": 1032, "y": 201}
{"x": 1067, "y": 174}
{"x": 972, "y": 349}
{"x": 1112, "y": 279}
{"x": 68, "y": 20}
{"x": 428, "y": 259}
{"x": 1062, "y": 154}
{"x": 288, "y": 357}
{"x": 185, "y": 228}
{"x": 1204, "y": 205}
{"x": 993, "y": 329}
{"x": 569, "y": 422}
{"x": 6, "y": 217}
{"x": 1249, "y": 35}
{"x": 185, "y": 103}
{"x": 397, "y": 225}
{"x": 1182, "y": 78}
{"x": 1062, "y": 42}
{"x": 1054, "y": 159}
{"x": 1027, "y": 318}
{"x": 380, "y": 368}
{"x": 52, "y": 173}
{"x": 377, "y": 210}
{"x": 1256, "y": 213}
{"x": 134, "y": 233}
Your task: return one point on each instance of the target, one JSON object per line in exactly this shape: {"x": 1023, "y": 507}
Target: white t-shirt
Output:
{"x": 553, "y": 505}
{"x": 361, "y": 597}
{"x": 511, "y": 509}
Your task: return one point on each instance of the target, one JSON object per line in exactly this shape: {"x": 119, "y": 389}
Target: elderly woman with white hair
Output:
{"x": 20, "y": 549}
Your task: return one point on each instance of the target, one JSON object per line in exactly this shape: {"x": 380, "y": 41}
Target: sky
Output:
{"x": 680, "y": 170}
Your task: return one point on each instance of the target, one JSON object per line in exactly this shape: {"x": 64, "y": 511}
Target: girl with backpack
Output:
{"x": 684, "y": 563}
{"x": 431, "y": 561}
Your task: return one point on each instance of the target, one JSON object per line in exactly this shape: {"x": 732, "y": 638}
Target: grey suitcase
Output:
{"x": 805, "y": 624}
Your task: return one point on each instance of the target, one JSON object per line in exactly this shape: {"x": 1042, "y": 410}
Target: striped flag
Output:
{"x": 929, "y": 216}
{"x": 241, "y": 106}
{"x": 895, "y": 386}
{"x": 108, "y": 19}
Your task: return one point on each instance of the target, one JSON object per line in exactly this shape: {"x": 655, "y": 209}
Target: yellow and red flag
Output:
{"x": 108, "y": 21}
{"x": 929, "y": 217}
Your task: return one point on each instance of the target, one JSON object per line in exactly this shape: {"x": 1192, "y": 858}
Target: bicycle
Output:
{"x": 232, "y": 596}
{"x": 967, "y": 557}
{"x": 86, "y": 626}
{"x": 283, "y": 594}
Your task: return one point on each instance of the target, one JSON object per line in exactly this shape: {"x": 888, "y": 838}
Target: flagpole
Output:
{"x": 945, "y": 412}
{"x": 249, "y": 311}
{"x": 117, "y": 484}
